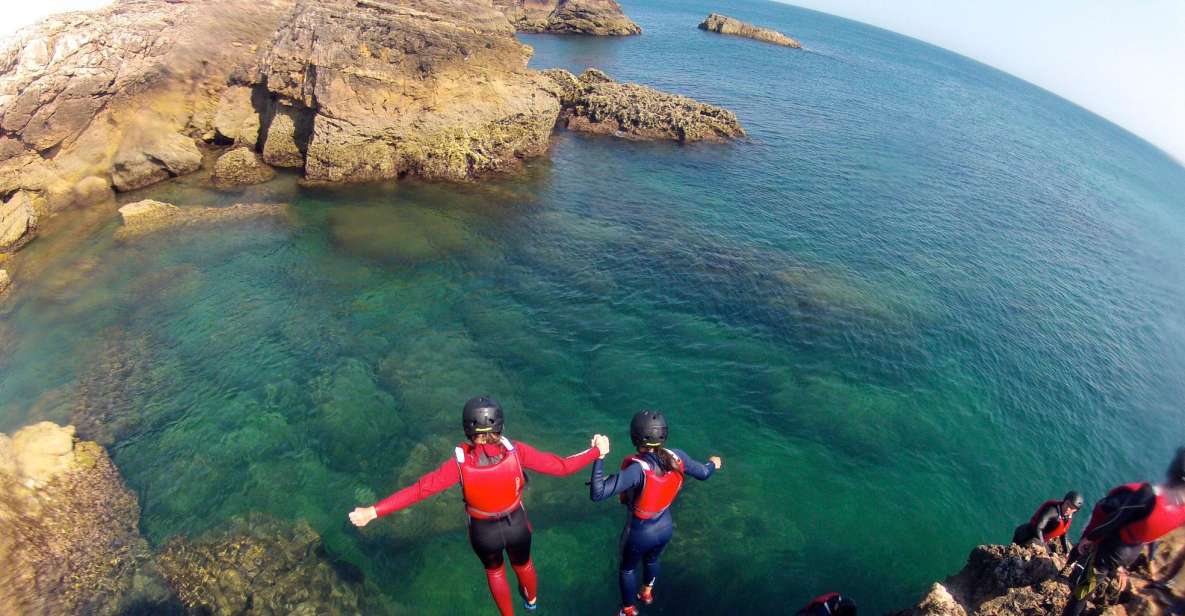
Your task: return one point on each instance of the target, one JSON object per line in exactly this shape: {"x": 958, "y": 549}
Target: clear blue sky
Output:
{"x": 1122, "y": 59}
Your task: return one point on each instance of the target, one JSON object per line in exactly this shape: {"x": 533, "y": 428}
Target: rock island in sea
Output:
{"x": 723, "y": 24}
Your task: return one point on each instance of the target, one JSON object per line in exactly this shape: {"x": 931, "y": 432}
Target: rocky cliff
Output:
{"x": 1024, "y": 581}
{"x": 596, "y": 17}
{"x": 344, "y": 90}
{"x": 723, "y": 24}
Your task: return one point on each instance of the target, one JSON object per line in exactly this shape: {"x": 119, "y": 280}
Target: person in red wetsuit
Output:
{"x": 491, "y": 471}
{"x": 830, "y": 604}
{"x": 1050, "y": 523}
{"x": 1128, "y": 518}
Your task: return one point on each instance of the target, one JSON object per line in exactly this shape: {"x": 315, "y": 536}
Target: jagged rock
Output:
{"x": 165, "y": 155}
{"x": 727, "y": 25}
{"x": 236, "y": 118}
{"x": 241, "y": 166}
{"x": 594, "y": 103}
{"x": 149, "y": 216}
{"x": 69, "y": 537}
{"x": 92, "y": 190}
{"x": 18, "y": 219}
{"x": 595, "y": 17}
{"x": 939, "y": 602}
{"x": 258, "y": 565}
{"x": 5, "y": 281}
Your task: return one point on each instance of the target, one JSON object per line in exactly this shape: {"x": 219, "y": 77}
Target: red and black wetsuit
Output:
{"x": 1047, "y": 524}
{"x": 492, "y": 532}
{"x": 829, "y": 604}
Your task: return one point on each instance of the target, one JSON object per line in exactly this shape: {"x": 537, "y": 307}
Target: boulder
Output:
{"x": 5, "y": 281}
{"x": 723, "y": 24}
{"x": 241, "y": 166}
{"x": 287, "y": 136}
{"x": 69, "y": 537}
{"x": 18, "y": 218}
{"x": 939, "y": 602}
{"x": 149, "y": 216}
{"x": 161, "y": 156}
{"x": 236, "y": 120}
{"x": 594, "y": 17}
{"x": 258, "y": 565}
{"x": 92, "y": 190}
{"x": 594, "y": 103}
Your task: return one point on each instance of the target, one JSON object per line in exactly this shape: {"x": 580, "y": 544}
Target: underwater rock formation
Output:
{"x": 239, "y": 167}
{"x": 1012, "y": 580}
{"x": 5, "y": 281}
{"x": 727, "y": 25}
{"x": 69, "y": 529}
{"x": 595, "y": 17}
{"x": 149, "y": 216}
{"x": 594, "y": 103}
{"x": 258, "y": 565}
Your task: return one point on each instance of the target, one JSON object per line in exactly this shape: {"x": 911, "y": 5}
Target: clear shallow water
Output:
{"x": 919, "y": 299}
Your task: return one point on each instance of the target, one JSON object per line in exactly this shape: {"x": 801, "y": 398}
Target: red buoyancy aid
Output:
{"x": 1063, "y": 521}
{"x": 658, "y": 491}
{"x": 821, "y": 600}
{"x": 491, "y": 491}
{"x": 1167, "y": 516}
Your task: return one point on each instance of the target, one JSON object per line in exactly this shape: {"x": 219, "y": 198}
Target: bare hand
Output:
{"x": 601, "y": 442}
{"x": 716, "y": 461}
{"x": 363, "y": 516}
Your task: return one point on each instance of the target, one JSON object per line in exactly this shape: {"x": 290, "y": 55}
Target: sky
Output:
{"x": 1122, "y": 59}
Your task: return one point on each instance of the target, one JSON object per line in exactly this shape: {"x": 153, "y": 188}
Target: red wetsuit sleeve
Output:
{"x": 439, "y": 480}
{"x": 552, "y": 464}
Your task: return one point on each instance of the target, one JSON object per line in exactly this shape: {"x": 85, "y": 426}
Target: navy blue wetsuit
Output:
{"x": 642, "y": 541}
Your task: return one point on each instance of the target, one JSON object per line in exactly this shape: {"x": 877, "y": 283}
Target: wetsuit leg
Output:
{"x": 641, "y": 539}
{"x": 489, "y": 539}
{"x": 518, "y": 547}
{"x": 650, "y": 562}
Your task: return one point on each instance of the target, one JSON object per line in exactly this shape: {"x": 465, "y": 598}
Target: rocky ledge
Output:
{"x": 345, "y": 90}
{"x": 723, "y": 24}
{"x": 594, "y": 103}
{"x": 149, "y": 216}
{"x": 595, "y": 17}
{"x": 69, "y": 530}
{"x": 1026, "y": 581}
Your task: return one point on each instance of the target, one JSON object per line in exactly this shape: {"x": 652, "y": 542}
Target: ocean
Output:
{"x": 920, "y": 298}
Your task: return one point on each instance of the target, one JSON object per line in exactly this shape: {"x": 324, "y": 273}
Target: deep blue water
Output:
{"x": 919, "y": 299}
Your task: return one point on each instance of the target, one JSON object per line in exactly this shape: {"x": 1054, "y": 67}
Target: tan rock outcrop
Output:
{"x": 91, "y": 190}
{"x": 153, "y": 158}
{"x": 69, "y": 536}
{"x": 149, "y": 216}
{"x": 5, "y": 281}
{"x": 18, "y": 219}
{"x": 595, "y": 17}
{"x": 236, "y": 118}
{"x": 594, "y": 103}
{"x": 239, "y": 167}
{"x": 723, "y": 24}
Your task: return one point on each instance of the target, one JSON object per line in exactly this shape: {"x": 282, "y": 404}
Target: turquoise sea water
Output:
{"x": 919, "y": 299}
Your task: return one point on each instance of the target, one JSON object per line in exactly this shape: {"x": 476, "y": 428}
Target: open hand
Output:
{"x": 363, "y": 515}
{"x": 716, "y": 461}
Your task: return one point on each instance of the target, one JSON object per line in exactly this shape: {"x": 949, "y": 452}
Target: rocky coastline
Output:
{"x": 722, "y": 24}
{"x": 93, "y": 104}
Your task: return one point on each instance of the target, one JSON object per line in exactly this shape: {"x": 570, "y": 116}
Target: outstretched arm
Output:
{"x": 695, "y": 468}
{"x": 601, "y": 487}
{"x": 552, "y": 464}
{"x": 439, "y": 480}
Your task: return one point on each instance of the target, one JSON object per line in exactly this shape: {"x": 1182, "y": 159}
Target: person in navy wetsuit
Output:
{"x": 648, "y": 484}
{"x": 491, "y": 470}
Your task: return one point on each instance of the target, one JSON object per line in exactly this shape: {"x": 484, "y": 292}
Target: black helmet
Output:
{"x": 1177, "y": 468}
{"x": 648, "y": 429}
{"x": 482, "y": 415}
{"x": 1075, "y": 499}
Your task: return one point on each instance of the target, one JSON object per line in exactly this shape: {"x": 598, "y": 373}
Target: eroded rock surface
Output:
{"x": 69, "y": 536}
{"x": 595, "y": 17}
{"x": 239, "y": 167}
{"x": 594, "y": 103}
{"x": 723, "y": 24}
{"x": 149, "y": 216}
{"x": 258, "y": 565}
